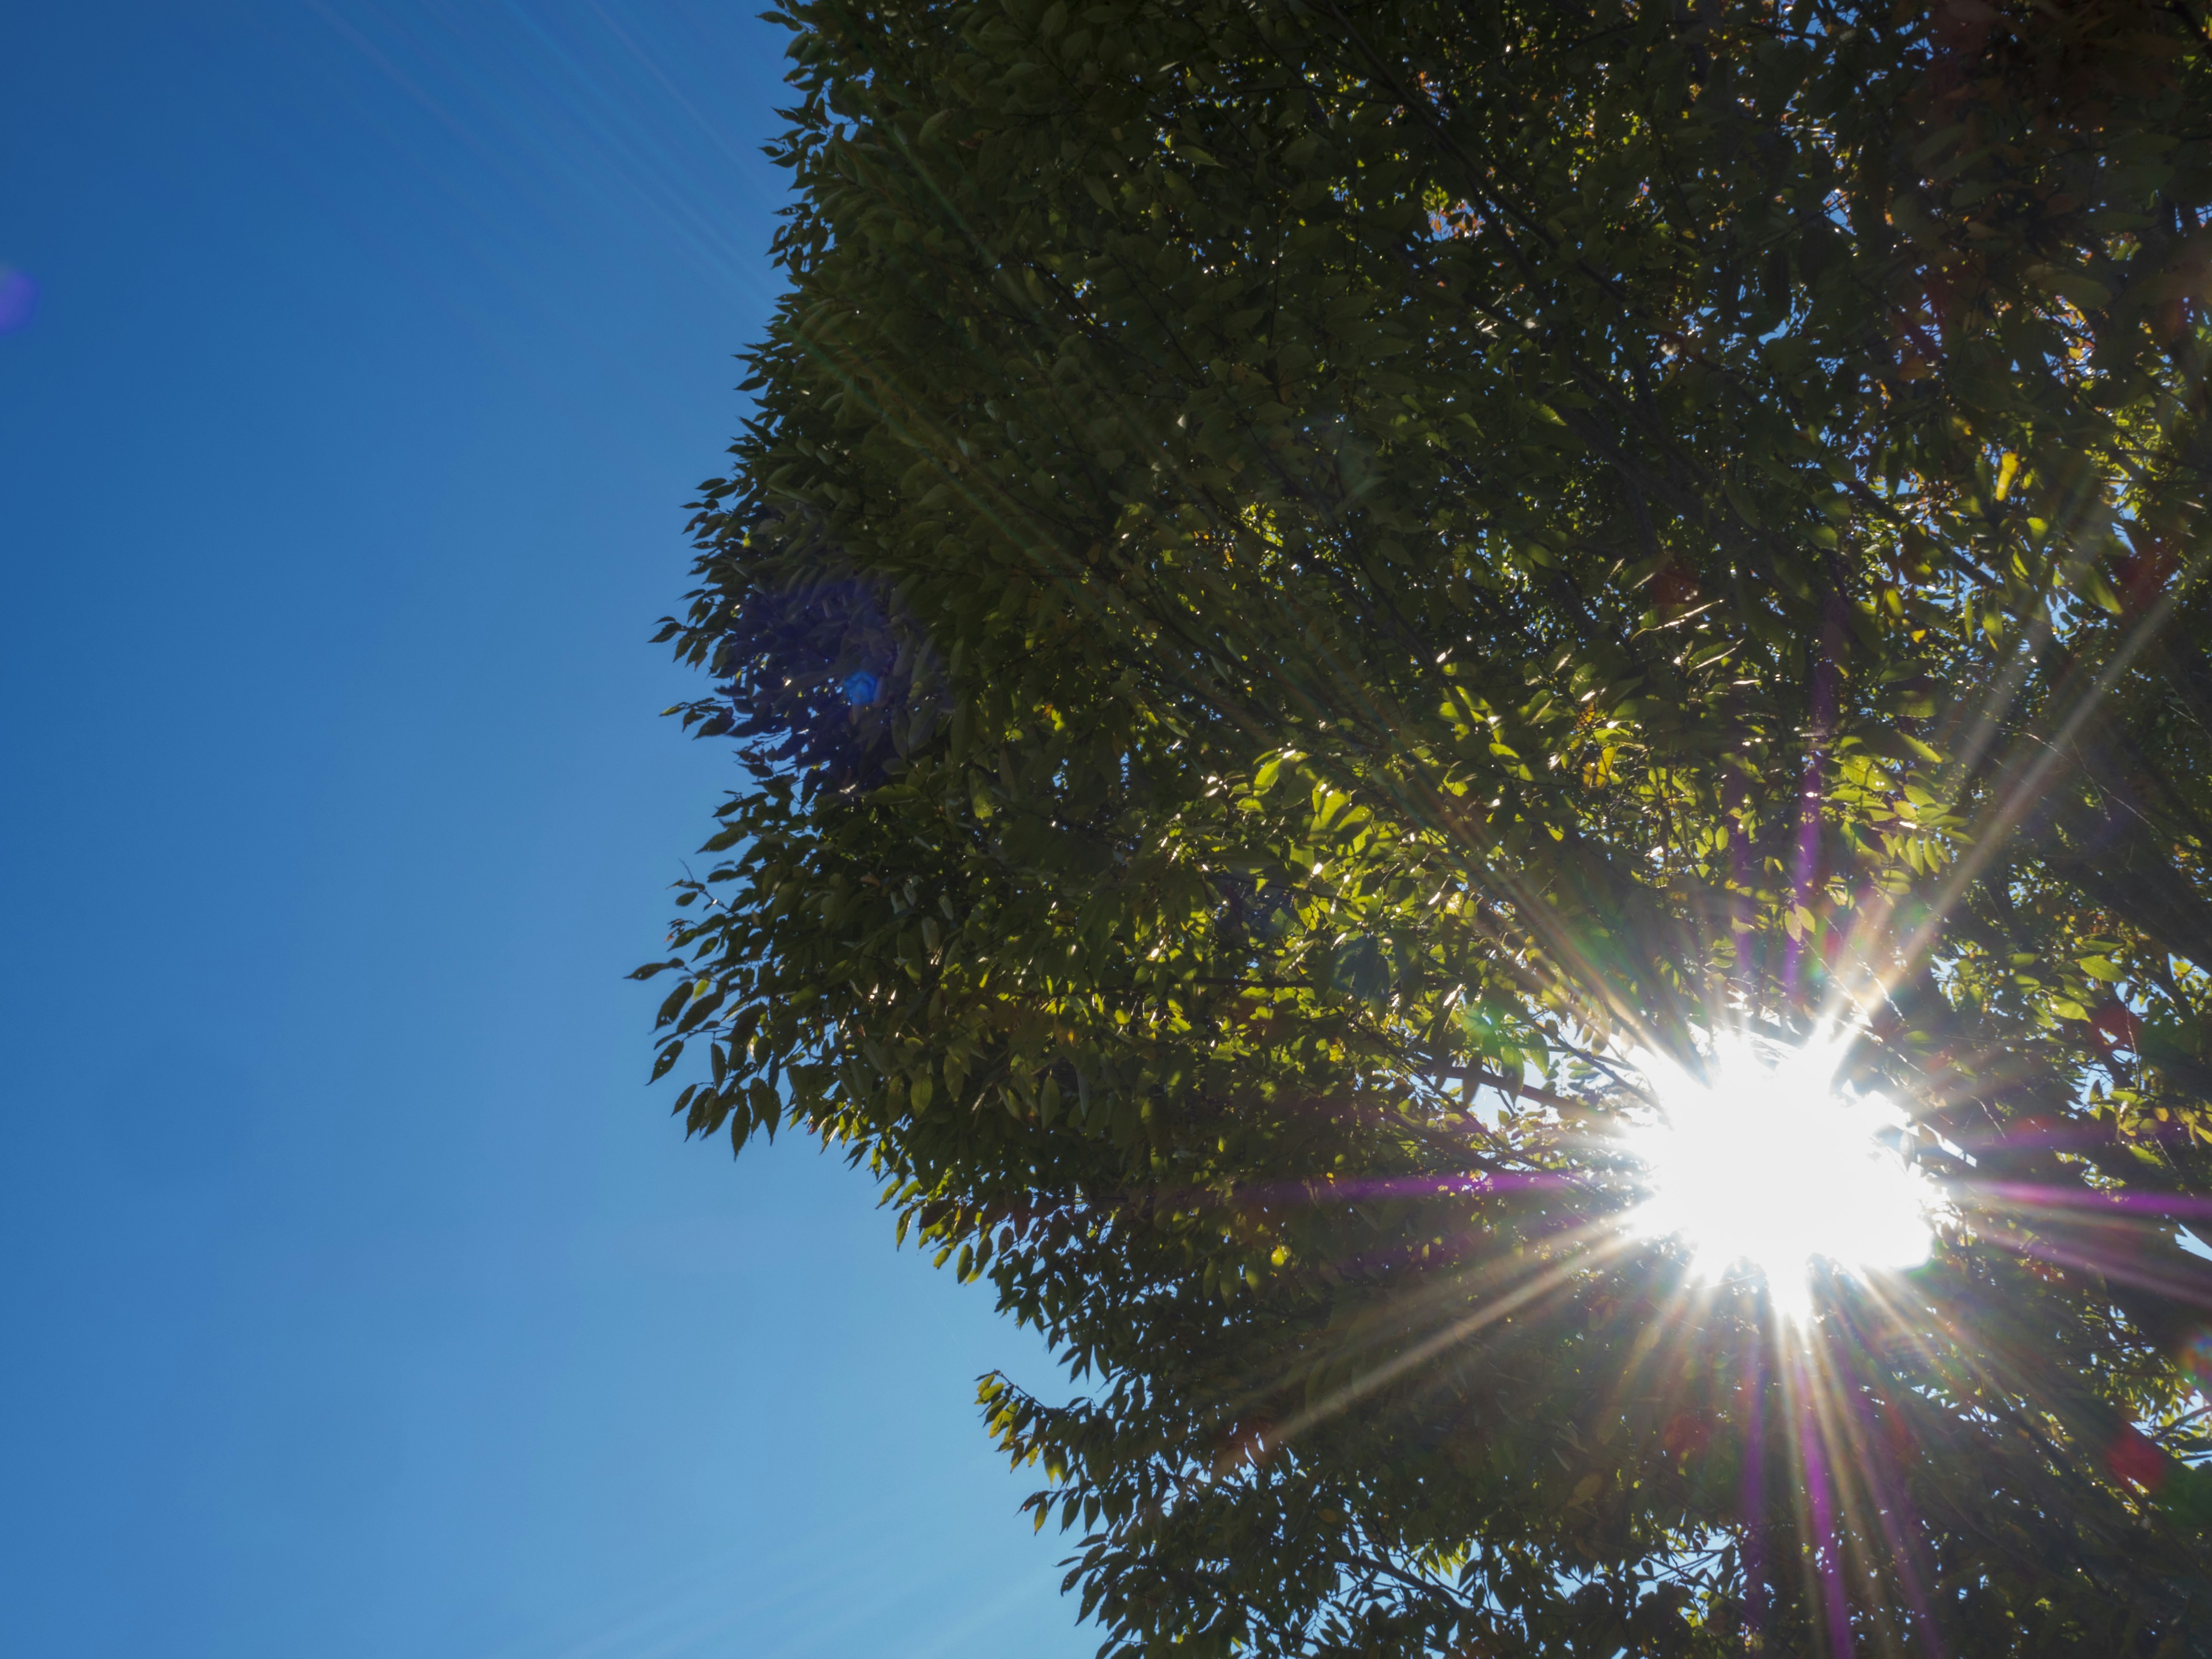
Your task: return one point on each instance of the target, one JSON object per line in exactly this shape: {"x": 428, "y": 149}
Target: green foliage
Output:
{"x": 1297, "y": 562}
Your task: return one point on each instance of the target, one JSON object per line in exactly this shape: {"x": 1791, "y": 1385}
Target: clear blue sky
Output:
{"x": 358, "y": 1298}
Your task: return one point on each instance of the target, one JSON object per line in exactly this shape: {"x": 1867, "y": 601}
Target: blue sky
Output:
{"x": 360, "y": 1300}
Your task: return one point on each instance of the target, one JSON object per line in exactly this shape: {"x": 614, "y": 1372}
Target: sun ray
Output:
{"x": 1595, "y": 1249}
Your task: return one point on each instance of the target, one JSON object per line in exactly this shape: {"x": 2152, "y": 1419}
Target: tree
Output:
{"x": 1316, "y": 592}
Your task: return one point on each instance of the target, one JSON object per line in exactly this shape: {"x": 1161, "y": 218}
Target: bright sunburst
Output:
{"x": 1765, "y": 1163}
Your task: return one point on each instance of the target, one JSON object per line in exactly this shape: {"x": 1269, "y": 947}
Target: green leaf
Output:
{"x": 665, "y": 1061}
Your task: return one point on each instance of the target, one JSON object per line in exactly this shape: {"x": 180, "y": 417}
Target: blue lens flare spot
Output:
{"x": 19, "y": 301}
{"x": 860, "y": 688}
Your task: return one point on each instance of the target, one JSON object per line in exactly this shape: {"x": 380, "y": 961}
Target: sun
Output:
{"x": 1762, "y": 1163}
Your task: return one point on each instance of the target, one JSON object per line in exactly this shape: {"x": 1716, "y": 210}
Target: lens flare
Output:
{"x": 19, "y": 299}
{"x": 1765, "y": 1164}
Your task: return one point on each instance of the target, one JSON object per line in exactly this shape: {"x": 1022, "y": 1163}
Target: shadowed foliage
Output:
{"x": 1307, "y": 582}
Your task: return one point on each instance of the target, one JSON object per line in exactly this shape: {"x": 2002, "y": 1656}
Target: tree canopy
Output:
{"x": 1315, "y": 590}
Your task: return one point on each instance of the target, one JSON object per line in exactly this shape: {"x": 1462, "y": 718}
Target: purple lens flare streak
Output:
{"x": 2106, "y": 1265}
{"x": 1820, "y": 1493}
{"x": 2117, "y": 1205}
